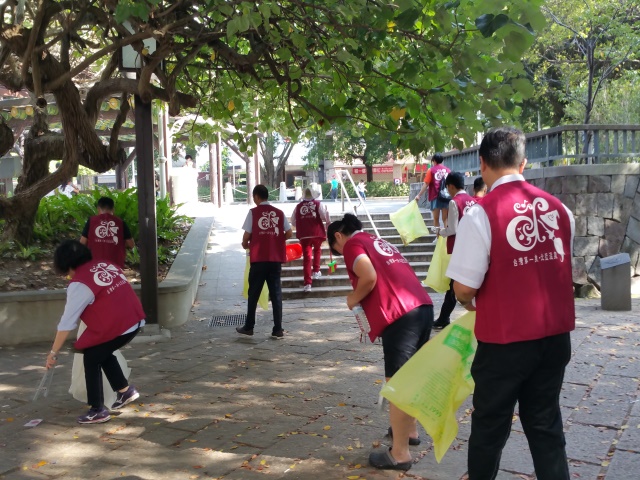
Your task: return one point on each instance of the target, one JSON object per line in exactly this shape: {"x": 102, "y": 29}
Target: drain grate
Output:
{"x": 227, "y": 320}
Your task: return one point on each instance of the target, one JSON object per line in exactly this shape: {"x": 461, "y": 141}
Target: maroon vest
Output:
{"x": 308, "y": 220}
{"x": 464, "y": 201}
{"x": 438, "y": 174}
{"x": 116, "y": 307}
{"x": 106, "y": 239}
{"x": 267, "y": 235}
{"x": 397, "y": 290}
{"x": 527, "y": 292}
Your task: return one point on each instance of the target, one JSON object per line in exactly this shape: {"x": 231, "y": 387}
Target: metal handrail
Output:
{"x": 565, "y": 144}
{"x": 340, "y": 173}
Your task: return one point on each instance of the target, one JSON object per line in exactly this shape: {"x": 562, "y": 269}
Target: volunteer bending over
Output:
{"x": 399, "y": 311}
{"x": 100, "y": 294}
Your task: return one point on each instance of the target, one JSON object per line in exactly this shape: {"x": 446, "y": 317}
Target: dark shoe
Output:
{"x": 126, "y": 397}
{"x": 244, "y": 331}
{"x": 441, "y": 324}
{"x": 95, "y": 415}
{"x": 384, "y": 460}
{"x": 412, "y": 441}
{"x": 278, "y": 334}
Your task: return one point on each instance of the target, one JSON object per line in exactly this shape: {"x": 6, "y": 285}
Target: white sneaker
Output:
{"x": 316, "y": 275}
{"x": 307, "y": 288}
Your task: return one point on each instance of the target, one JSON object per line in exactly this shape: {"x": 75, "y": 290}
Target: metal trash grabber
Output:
{"x": 44, "y": 385}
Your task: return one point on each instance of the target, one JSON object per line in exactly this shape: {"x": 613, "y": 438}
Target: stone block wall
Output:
{"x": 605, "y": 200}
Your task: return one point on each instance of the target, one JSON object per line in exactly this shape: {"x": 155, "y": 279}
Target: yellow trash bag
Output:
{"x": 436, "y": 277}
{"x": 433, "y": 384}
{"x": 263, "y": 301}
{"x": 409, "y": 223}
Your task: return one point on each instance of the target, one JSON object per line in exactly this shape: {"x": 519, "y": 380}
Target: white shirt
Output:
{"x": 248, "y": 222}
{"x": 470, "y": 258}
{"x": 79, "y": 297}
{"x": 67, "y": 190}
{"x": 452, "y": 218}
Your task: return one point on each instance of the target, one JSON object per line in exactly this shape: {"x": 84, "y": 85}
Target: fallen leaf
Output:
{"x": 326, "y": 427}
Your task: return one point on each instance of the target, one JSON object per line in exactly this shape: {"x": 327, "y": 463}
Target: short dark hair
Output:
{"x": 478, "y": 184}
{"x": 503, "y": 147}
{"x": 106, "y": 203}
{"x": 438, "y": 158}
{"x": 349, "y": 224}
{"x": 261, "y": 192}
{"x": 456, "y": 179}
{"x": 70, "y": 254}
{"x": 188, "y": 157}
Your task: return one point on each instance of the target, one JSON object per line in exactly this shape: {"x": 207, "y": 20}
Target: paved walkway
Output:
{"x": 214, "y": 405}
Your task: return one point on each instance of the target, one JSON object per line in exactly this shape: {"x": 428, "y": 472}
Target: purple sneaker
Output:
{"x": 95, "y": 415}
{"x": 126, "y": 397}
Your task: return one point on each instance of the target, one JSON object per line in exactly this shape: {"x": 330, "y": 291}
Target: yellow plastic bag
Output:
{"x": 263, "y": 301}
{"x": 436, "y": 277}
{"x": 409, "y": 223}
{"x": 433, "y": 384}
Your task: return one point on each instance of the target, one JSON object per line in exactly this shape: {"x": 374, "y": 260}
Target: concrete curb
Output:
{"x": 28, "y": 317}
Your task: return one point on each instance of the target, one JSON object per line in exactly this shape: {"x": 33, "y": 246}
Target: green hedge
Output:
{"x": 374, "y": 189}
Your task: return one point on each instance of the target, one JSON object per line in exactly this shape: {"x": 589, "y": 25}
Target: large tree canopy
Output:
{"x": 429, "y": 72}
{"x": 585, "y": 46}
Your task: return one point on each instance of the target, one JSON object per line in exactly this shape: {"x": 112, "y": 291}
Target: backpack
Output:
{"x": 443, "y": 193}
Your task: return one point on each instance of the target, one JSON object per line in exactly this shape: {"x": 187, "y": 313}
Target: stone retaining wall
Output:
{"x": 32, "y": 316}
{"x": 605, "y": 200}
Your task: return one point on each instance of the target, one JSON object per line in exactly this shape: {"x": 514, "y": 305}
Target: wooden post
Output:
{"x": 147, "y": 211}
{"x": 213, "y": 176}
{"x": 220, "y": 178}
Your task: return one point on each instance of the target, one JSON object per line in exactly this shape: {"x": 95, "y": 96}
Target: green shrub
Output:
{"x": 60, "y": 217}
{"x": 374, "y": 189}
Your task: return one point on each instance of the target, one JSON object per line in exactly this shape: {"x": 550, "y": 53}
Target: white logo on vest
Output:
{"x": 384, "y": 248}
{"x": 104, "y": 274}
{"x": 441, "y": 174}
{"x": 524, "y": 232}
{"x": 308, "y": 208}
{"x": 107, "y": 229}
{"x": 269, "y": 220}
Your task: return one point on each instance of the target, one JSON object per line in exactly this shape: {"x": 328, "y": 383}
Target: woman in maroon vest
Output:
{"x": 398, "y": 310}
{"x": 100, "y": 294}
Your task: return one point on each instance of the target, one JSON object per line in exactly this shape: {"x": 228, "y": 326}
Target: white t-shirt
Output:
{"x": 79, "y": 297}
{"x": 470, "y": 258}
{"x": 248, "y": 222}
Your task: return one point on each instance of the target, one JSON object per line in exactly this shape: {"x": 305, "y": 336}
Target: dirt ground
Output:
{"x": 21, "y": 275}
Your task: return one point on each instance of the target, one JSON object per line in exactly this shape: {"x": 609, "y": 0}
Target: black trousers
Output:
{"x": 530, "y": 373}
{"x": 101, "y": 358}
{"x": 259, "y": 273}
{"x": 448, "y": 305}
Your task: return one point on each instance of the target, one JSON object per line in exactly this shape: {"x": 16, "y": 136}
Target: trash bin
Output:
{"x": 616, "y": 282}
{"x": 414, "y": 189}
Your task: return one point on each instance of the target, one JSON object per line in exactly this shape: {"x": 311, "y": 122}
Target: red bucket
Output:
{"x": 294, "y": 251}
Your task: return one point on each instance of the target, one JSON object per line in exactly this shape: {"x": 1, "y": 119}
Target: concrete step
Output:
{"x": 296, "y": 293}
{"x": 296, "y": 271}
{"x": 325, "y": 259}
{"x": 335, "y": 279}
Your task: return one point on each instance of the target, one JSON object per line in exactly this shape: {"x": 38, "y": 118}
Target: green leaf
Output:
{"x": 488, "y": 23}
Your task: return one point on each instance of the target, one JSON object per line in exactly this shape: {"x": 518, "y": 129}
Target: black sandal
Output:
{"x": 412, "y": 441}
{"x": 385, "y": 461}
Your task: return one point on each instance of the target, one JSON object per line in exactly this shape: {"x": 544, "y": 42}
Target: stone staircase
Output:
{"x": 418, "y": 253}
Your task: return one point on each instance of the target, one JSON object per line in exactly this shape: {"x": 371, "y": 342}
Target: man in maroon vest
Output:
{"x": 460, "y": 202}
{"x": 266, "y": 230}
{"x": 106, "y": 235}
{"x": 311, "y": 219}
{"x": 512, "y": 264}
{"x": 432, "y": 180}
